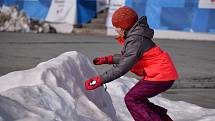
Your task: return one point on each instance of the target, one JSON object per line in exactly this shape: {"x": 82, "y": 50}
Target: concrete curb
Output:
{"x": 164, "y": 34}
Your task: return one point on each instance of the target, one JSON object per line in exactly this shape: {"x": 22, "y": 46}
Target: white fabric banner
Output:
{"x": 62, "y": 11}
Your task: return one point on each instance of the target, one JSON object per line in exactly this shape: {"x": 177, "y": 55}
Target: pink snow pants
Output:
{"x": 138, "y": 104}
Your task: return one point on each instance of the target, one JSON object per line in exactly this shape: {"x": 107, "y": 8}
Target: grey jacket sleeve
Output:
{"x": 131, "y": 52}
{"x": 116, "y": 58}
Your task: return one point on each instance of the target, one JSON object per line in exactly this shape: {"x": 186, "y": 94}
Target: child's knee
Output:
{"x": 133, "y": 99}
{"x": 128, "y": 99}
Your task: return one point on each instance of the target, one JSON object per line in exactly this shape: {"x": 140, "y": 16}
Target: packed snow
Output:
{"x": 54, "y": 91}
{"x": 14, "y": 20}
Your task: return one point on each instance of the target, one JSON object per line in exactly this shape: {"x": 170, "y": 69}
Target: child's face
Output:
{"x": 120, "y": 31}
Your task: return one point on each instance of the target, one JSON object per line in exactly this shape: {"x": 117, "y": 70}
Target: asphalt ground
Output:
{"x": 194, "y": 60}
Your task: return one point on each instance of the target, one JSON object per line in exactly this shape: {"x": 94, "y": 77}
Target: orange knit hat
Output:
{"x": 124, "y": 17}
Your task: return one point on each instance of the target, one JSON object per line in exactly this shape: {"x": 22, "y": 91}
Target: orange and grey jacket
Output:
{"x": 141, "y": 56}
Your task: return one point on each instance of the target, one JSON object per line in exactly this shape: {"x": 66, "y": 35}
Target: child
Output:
{"x": 143, "y": 57}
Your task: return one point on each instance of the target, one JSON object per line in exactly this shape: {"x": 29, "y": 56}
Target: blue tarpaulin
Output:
{"x": 182, "y": 15}
{"x": 86, "y": 10}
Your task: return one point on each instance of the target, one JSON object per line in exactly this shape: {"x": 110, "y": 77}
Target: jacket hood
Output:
{"x": 141, "y": 28}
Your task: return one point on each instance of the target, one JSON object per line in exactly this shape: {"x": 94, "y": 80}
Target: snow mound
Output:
{"x": 54, "y": 91}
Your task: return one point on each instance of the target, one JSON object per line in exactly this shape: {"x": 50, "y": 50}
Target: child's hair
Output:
{"x": 124, "y": 17}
